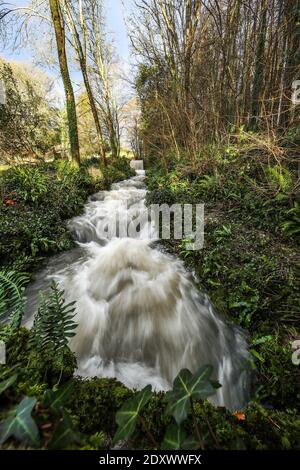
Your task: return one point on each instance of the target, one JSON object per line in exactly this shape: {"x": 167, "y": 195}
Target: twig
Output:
{"x": 148, "y": 432}
{"x": 211, "y": 432}
{"x": 197, "y": 427}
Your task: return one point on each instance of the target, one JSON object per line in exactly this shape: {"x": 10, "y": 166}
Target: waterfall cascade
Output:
{"x": 140, "y": 316}
{"x": 137, "y": 164}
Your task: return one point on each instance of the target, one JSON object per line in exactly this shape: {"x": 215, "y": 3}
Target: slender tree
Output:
{"x": 210, "y": 67}
{"x": 102, "y": 65}
{"x": 59, "y": 28}
{"x": 291, "y": 70}
{"x": 76, "y": 22}
{"x": 259, "y": 67}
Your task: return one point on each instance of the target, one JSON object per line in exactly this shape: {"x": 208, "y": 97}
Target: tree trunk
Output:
{"x": 81, "y": 54}
{"x": 94, "y": 112}
{"x": 258, "y": 78}
{"x": 59, "y": 29}
{"x": 292, "y": 69}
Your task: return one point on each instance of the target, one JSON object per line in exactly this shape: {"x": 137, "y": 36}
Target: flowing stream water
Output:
{"x": 140, "y": 316}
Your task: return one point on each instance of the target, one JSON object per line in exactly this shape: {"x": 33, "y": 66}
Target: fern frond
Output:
{"x": 12, "y": 299}
{"x": 54, "y": 322}
{"x": 291, "y": 226}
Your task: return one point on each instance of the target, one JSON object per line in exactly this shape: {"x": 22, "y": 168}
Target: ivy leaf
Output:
{"x": 188, "y": 386}
{"x": 64, "y": 433}
{"x": 55, "y": 400}
{"x": 174, "y": 438}
{"x": 127, "y": 416}
{"x": 20, "y": 425}
{"x": 7, "y": 383}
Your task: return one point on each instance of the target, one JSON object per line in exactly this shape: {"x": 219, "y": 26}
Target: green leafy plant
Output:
{"x": 174, "y": 438}
{"x": 279, "y": 178}
{"x": 30, "y": 183}
{"x": 255, "y": 355}
{"x": 291, "y": 226}
{"x": 97, "y": 441}
{"x": 185, "y": 252}
{"x": 188, "y": 387}
{"x": 64, "y": 433}
{"x": 208, "y": 183}
{"x": 56, "y": 399}
{"x": 245, "y": 302}
{"x": 223, "y": 232}
{"x": 5, "y": 384}
{"x": 20, "y": 424}
{"x": 160, "y": 196}
{"x": 129, "y": 414}
{"x": 187, "y": 390}
{"x": 54, "y": 322}
{"x": 29, "y": 123}
{"x": 12, "y": 300}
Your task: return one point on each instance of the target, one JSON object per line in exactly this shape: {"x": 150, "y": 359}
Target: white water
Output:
{"x": 140, "y": 317}
{"x": 137, "y": 164}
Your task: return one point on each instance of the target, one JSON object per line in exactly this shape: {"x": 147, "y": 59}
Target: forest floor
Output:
{"x": 250, "y": 262}
{"x": 249, "y": 267}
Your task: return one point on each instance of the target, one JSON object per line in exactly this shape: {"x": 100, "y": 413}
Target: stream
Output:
{"x": 140, "y": 316}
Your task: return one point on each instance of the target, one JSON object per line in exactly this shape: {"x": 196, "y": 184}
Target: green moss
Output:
{"x": 96, "y": 402}
{"x": 97, "y": 441}
{"x": 155, "y": 417}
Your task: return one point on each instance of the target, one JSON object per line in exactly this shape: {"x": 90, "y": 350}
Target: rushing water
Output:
{"x": 140, "y": 316}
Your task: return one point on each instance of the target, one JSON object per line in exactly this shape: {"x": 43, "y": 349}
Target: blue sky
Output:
{"x": 116, "y": 27}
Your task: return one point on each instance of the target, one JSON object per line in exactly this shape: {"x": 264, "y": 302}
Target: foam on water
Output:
{"x": 140, "y": 316}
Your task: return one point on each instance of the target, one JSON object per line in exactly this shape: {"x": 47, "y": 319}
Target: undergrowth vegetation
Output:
{"x": 212, "y": 107}
{"x": 59, "y": 411}
{"x": 249, "y": 266}
{"x": 250, "y": 262}
{"x": 37, "y": 199}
